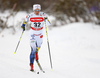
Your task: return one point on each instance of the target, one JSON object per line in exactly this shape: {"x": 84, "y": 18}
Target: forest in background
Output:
{"x": 65, "y": 11}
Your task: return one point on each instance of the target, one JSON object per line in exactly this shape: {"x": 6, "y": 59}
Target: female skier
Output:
{"x": 36, "y": 32}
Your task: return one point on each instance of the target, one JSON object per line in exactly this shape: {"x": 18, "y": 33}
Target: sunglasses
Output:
{"x": 36, "y": 10}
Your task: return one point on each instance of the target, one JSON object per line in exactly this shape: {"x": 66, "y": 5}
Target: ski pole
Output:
{"x": 18, "y": 42}
{"x": 48, "y": 44}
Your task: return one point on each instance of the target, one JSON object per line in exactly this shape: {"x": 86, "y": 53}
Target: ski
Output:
{"x": 40, "y": 66}
{"x": 37, "y": 72}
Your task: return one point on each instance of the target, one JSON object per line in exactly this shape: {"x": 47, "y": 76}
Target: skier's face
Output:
{"x": 36, "y": 11}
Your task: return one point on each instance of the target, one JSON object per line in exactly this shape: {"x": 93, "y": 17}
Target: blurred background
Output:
{"x": 74, "y": 38}
{"x": 13, "y": 12}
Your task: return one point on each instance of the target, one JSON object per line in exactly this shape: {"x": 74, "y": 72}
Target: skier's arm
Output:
{"x": 25, "y": 22}
{"x": 47, "y": 20}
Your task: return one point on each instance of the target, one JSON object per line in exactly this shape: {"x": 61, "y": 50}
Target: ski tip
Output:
{"x": 43, "y": 71}
{"x": 14, "y": 52}
{"x": 37, "y": 72}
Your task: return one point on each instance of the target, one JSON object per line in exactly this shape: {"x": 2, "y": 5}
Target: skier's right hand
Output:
{"x": 23, "y": 27}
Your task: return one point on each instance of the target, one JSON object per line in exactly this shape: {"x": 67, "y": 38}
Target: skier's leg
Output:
{"x": 33, "y": 50}
{"x": 38, "y": 46}
{"x": 32, "y": 55}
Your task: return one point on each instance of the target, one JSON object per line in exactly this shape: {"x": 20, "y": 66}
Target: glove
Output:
{"x": 45, "y": 18}
{"x": 23, "y": 26}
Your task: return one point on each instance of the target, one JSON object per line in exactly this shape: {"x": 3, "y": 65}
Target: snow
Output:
{"x": 75, "y": 51}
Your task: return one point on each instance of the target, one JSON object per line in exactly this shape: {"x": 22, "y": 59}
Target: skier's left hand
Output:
{"x": 45, "y": 17}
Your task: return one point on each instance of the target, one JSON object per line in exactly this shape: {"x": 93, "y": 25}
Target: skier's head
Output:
{"x": 36, "y": 8}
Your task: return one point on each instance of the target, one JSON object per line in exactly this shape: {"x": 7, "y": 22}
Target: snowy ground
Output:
{"x": 75, "y": 50}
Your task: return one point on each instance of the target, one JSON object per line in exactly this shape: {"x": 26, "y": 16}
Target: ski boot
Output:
{"x": 31, "y": 65}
